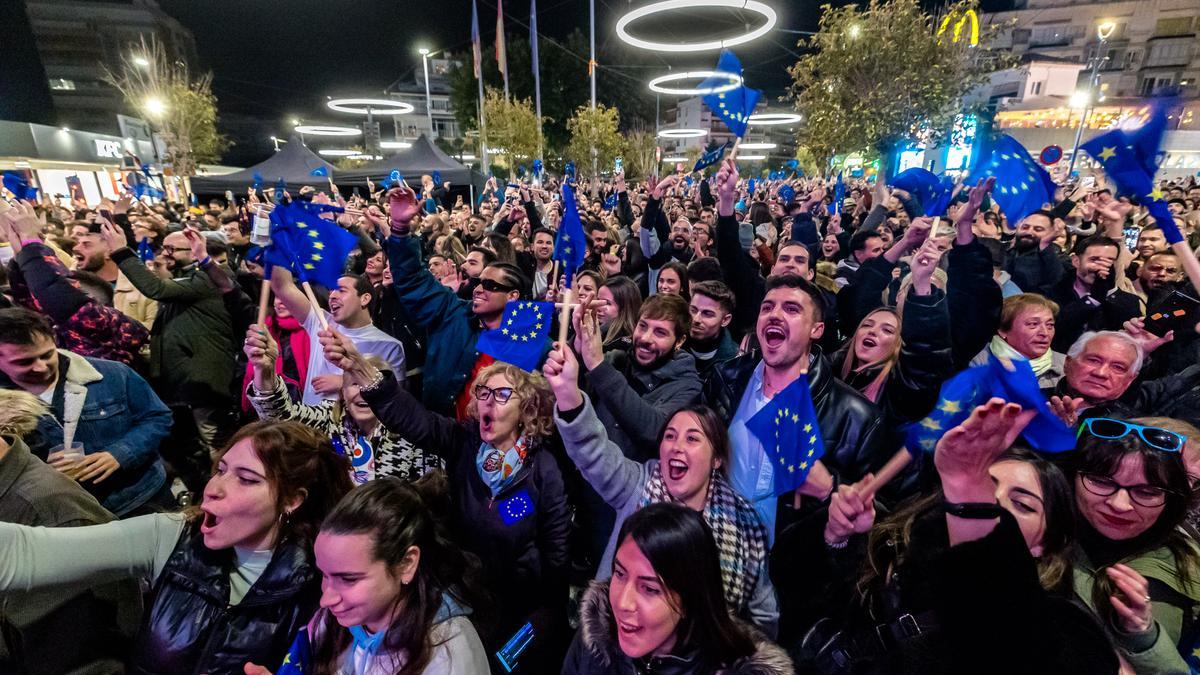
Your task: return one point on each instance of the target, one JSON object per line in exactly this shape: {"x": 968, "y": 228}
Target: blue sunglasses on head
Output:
{"x": 1111, "y": 429}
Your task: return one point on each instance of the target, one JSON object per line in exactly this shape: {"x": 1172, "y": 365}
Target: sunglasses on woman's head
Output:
{"x": 1111, "y": 429}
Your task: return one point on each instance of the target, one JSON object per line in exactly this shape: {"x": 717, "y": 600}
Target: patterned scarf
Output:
{"x": 498, "y": 468}
{"x": 740, "y": 535}
{"x": 1005, "y": 351}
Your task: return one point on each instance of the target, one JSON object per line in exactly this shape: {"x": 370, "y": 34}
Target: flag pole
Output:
{"x": 312, "y": 299}
{"x": 564, "y": 314}
{"x": 888, "y": 472}
{"x": 734, "y": 149}
{"x": 1187, "y": 257}
{"x": 264, "y": 299}
{"x": 537, "y": 75}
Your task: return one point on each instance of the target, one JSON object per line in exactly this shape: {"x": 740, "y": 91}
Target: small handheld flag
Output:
{"x": 711, "y": 157}
{"x": 1022, "y": 186}
{"x": 787, "y": 428}
{"x": 786, "y": 193}
{"x": 839, "y": 196}
{"x": 437, "y": 178}
{"x": 570, "y": 247}
{"x": 145, "y": 250}
{"x": 931, "y": 191}
{"x": 258, "y": 181}
{"x": 299, "y": 655}
{"x": 521, "y": 337}
{"x": 320, "y": 172}
{"x": 317, "y": 247}
{"x": 19, "y": 186}
{"x": 610, "y": 202}
{"x": 735, "y": 106}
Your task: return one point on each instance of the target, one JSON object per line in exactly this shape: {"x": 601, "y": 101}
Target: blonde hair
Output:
{"x": 530, "y": 389}
{"x": 19, "y": 412}
{"x": 850, "y": 363}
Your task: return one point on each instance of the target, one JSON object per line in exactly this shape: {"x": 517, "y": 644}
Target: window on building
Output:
{"x": 60, "y": 84}
{"x": 1179, "y": 25}
{"x": 1036, "y": 90}
{"x": 1055, "y": 34}
{"x": 1169, "y": 54}
{"x": 1153, "y": 85}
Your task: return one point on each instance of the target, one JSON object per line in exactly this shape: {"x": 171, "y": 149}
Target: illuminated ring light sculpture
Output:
{"x": 765, "y": 119}
{"x": 337, "y": 153}
{"x": 682, "y": 133}
{"x": 750, "y": 158}
{"x": 758, "y": 146}
{"x": 673, "y": 5}
{"x": 674, "y": 159}
{"x": 733, "y": 81}
{"x": 319, "y": 130}
{"x": 370, "y": 106}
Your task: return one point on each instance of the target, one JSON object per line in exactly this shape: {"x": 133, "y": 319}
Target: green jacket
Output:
{"x": 191, "y": 349}
{"x": 1156, "y": 651}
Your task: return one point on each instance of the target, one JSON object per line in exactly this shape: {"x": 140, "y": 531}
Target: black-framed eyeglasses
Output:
{"x": 500, "y": 394}
{"x": 1142, "y": 495}
{"x": 172, "y": 250}
{"x": 1112, "y": 429}
{"x": 493, "y": 286}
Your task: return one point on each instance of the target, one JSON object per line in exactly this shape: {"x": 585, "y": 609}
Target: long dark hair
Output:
{"x": 1102, "y": 457}
{"x": 398, "y": 515}
{"x": 681, "y": 549}
{"x": 714, "y": 430}
{"x": 629, "y": 302}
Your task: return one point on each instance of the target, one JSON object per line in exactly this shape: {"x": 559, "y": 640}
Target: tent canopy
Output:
{"x": 422, "y": 158}
{"x": 294, "y": 163}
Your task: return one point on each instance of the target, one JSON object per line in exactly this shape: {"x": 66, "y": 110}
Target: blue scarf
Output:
{"x": 498, "y": 468}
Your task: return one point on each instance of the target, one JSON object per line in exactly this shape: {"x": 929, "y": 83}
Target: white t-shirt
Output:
{"x": 369, "y": 340}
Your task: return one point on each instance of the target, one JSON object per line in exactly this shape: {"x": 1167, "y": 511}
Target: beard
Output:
{"x": 1025, "y": 242}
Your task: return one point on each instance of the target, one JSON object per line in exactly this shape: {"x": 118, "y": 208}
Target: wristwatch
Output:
{"x": 974, "y": 510}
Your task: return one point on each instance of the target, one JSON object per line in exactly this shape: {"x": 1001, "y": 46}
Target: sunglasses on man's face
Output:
{"x": 493, "y": 286}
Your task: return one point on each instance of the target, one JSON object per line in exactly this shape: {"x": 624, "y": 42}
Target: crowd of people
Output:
{"x": 343, "y": 482}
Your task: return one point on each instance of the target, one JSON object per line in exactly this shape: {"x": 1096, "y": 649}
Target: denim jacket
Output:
{"x": 111, "y": 409}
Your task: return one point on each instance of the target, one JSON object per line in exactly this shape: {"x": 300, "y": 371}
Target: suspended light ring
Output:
{"x": 765, "y": 119}
{"x": 672, "y": 5}
{"x": 682, "y": 133}
{"x": 370, "y": 106}
{"x": 321, "y": 130}
{"x": 733, "y": 81}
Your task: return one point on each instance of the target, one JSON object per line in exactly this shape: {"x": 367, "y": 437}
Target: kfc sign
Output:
{"x": 108, "y": 149}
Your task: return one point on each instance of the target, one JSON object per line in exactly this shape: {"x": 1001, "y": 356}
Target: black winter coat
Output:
{"x": 851, "y": 426}
{"x": 191, "y": 628}
{"x": 524, "y": 551}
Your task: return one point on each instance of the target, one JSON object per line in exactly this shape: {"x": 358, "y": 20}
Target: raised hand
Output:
{"x": 966, "y": 451}
{"x": 562, "y": 372}
{"x": 924, "y": 262}
{"x": 114, "y": 237}
{"x": 663, "y": 185}
{"x": 1131, "y": 604}
{"x": 196, "y": 244}
{"x": 402, "y": 208}
{"x": 1067, "y": 409}
{"x": 977, "y": 193}
{"x": 588, "y": 341}
{"x": 260, "y": 348}
{"x": 851, "y": 511}
{"x": 1136, "y": 328}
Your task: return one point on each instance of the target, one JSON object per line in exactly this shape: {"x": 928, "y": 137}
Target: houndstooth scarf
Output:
{"x": 740, "y": 536}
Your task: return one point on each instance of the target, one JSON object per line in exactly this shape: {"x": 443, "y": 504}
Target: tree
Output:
{"x": 881, "y": 75}
{"x": 512, "y": 128}
{"x": 181, "y": 108}
{"x": 594, "y": 131}
{"x": 640, "y": 145}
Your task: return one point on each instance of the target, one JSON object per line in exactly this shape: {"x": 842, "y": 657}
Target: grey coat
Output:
{"x": 635, "y": 404}
{"x": 620, "y": 481}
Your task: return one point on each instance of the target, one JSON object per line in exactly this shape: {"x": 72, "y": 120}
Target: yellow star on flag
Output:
{"x": 931, "y": 424}
{"x": 1107, "y": 154}
{"x": 950, "y": 407}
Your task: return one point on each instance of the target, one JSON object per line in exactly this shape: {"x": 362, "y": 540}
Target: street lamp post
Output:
{"x": 428, "y": 100}
{"x": 1103, "y": 32}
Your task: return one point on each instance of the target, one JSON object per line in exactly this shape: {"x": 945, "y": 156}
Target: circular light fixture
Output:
{"x": 370, "y": 106}
{"x": 337, "y": 153}
{"x": 319, "y": 130}
{"x": 467, "y": 157}
{"x": 672, "y": 5}
{"x": 363, "y": 156}
{"x": 395, "y": 145}
{"x": 750, "y": 158}
{"x": 758, "y": 146}
{"x": 732, "y": 82}
{"x": 674, "y": 159}
{"x": 682, "y": 133}
{"x": 765, "y": 119}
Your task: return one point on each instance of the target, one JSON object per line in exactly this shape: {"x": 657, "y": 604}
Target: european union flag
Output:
{"x": 711, "y": 157}
{"x": 299, "y": 655}
{"x": 517, "y": 507}
{"x": 570, "y": 247}
{"x": 1022, "y": 186}
{"x": 145, "y": 250}
{"x": 317, "y": 248}
{"x": 786, "y": 193}
{"x": 19, "y": 186}
{"x": 611, "y": 202}
{"x": 569, "y": 172}
{"x": 537, "y": 169}
{"x": 521, "y": 337}
{"x": 393, "y": 180}
{"x": 931, "y": 191}
{"x": 1011, "y": 380}
{"x": 437, "y": 178}
{"x": 839, "y": 195}
{"x": 1129, "y": 159}
{"x": 735, "y": 106}
{"x": 750, "y": 185}
{"x": 787, "y": 428}
{"x": 258, "y": 181}
{"x": 320, "y": 172}
{"x": 793, "y": 165}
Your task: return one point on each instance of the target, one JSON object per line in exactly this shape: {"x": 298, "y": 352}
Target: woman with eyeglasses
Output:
{"x": 509, "y": 503}
{"x": 1137, "y": 564}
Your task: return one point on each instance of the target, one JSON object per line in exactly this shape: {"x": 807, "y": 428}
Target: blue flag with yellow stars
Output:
{"x": 927, "y": 188}
{"x": 17, "y": 184}
{"x": 1022, "y": 186}
{"x": 1011, "y": 380}
{"x": 787, "y": 428}
{"x": 317, "y": 248}
{"x": 320, "y": 172}
{"x": 711, "y": 157}
{"x": 735, "y": 106}
{"x": 1128, "y": 158}
{"x": 570, "y": 247}
{"x": 839, "y": 196}
{"x": 299, "y": 656}
{"x": 522, "y": 335}
{"x": 610, "y": 203}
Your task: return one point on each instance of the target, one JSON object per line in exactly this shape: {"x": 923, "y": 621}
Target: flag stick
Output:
{"x": 734, "y": 149}
{"x": 564, "y": 315}
{"x": 312, "y": 299}
{"x": 1187, "y": 257}
{"x": 264, "y": 299}
{"x": 888, "y": 472}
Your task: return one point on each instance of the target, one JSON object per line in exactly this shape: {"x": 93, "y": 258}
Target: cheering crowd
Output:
{"x": 345, "y": 482}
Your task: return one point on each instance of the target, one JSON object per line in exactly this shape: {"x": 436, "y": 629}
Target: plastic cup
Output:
{"x": 64, "y": 459}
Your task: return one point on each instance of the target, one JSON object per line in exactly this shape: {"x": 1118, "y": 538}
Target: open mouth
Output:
{"x": 627, "y": 629}
{"x": 774, "y": 336}
{"x": 676, "y": 469}
{"x": 209, "y": 522}
{"x": 486, "y": 423}
{"x": 869, "y": 343}
{"x": 645, "y": 353}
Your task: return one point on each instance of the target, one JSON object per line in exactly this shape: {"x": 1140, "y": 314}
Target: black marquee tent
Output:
{"x": 422, "y": 158}
{"x": 294, "y": 163}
